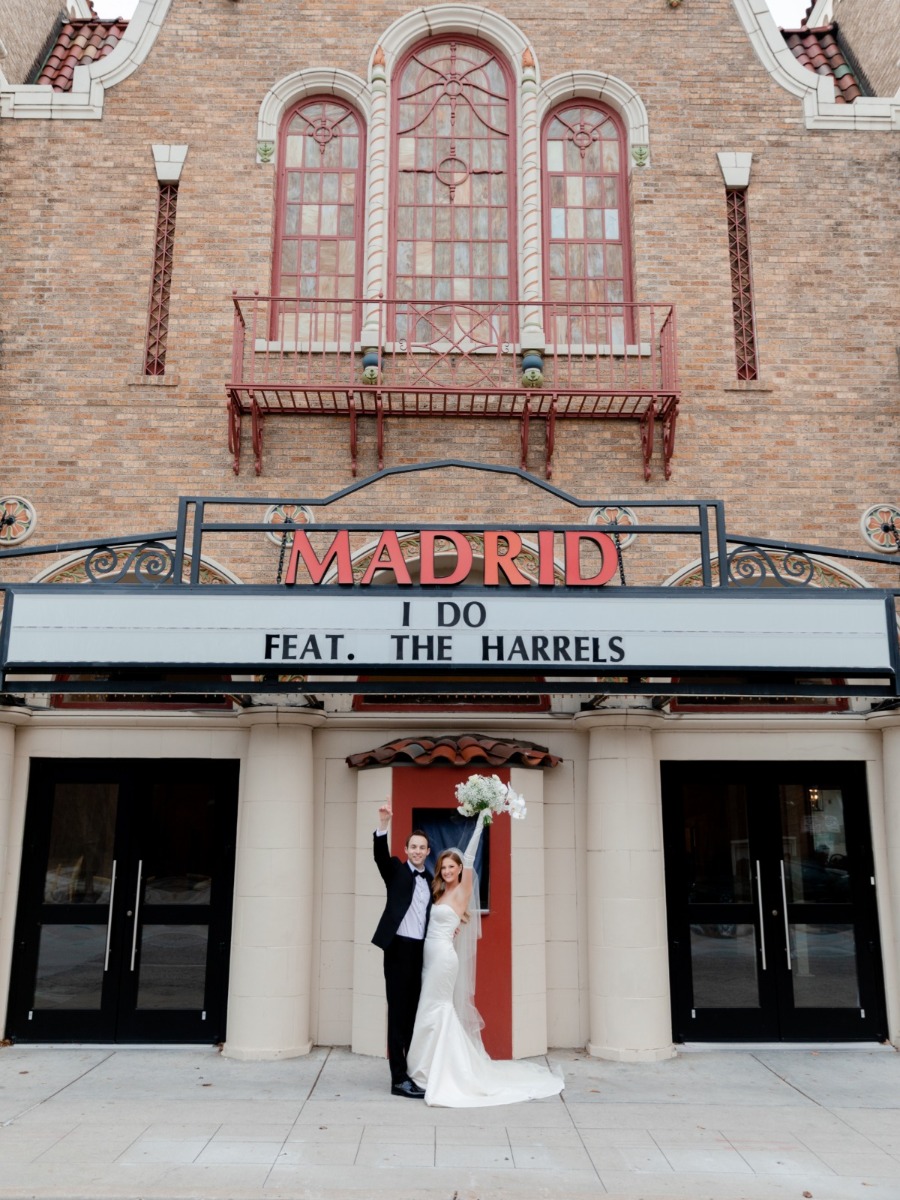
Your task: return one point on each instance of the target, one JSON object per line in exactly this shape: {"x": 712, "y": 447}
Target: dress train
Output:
{"x": 453, "y": 1067}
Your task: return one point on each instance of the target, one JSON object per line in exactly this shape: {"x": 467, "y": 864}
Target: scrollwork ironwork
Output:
{"x": 151, "y": 564}
{"x": 751, "y": 566}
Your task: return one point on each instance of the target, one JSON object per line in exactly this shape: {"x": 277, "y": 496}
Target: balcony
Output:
{"x": 380, "y": 358}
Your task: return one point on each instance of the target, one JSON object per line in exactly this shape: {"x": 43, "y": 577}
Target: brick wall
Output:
{"x": 25, "y": 26}
{"x": 799, "y": 455}
{"x": 872, "y": 30}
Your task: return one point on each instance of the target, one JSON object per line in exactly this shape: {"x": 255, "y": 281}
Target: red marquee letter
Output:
{"x": 394, "y": 562}
{"x": 427, "y": 540}
{"x": 339, "y": 549}
{"x": 607, "y": 548}
{"x": 495, "y": 561}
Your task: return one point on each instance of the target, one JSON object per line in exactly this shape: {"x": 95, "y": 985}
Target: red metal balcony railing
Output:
{"x": 444, "y": 358}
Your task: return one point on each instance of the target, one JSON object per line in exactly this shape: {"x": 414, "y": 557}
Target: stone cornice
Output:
{"x": 816, "y": 92}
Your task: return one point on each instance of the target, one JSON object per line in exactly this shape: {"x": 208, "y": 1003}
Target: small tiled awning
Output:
{"x": 467, "y": 750}
{"x": 78, "y": 44}
{"x": 820, "y": 51}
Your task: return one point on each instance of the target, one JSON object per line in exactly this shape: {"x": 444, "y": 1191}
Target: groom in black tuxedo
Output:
{"x": 401, "y": 935}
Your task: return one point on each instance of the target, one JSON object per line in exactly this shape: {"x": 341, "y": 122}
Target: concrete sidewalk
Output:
{"x": 717, "y": 1125}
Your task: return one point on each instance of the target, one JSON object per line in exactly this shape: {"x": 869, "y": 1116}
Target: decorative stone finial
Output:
{"x": 527, "y": 59}
{"x": 378, "y": 57}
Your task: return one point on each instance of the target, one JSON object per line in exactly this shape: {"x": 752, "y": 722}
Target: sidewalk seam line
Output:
{"x": 53, "y": 1095}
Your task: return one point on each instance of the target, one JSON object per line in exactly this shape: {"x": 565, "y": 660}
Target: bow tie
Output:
{"x": 419, "y": 874}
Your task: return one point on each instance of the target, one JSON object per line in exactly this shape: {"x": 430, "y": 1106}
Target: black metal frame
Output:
{"x": 172, "y": 558}
{"x": 776, "y": 1017}
{"x": 118, "y": 1017}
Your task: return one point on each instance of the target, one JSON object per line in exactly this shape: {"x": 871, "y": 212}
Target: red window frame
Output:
{"x": 322, "y": 134}
{"x": 598, "y": 241}
{"x": 509, "y": 242}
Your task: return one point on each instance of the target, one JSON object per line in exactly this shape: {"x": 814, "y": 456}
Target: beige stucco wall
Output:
{"x": 332, "y": 991}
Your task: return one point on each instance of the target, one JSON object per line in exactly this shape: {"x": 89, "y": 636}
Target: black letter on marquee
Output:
{"x": 454, "y": 613}
{"x": 311, "y": 647}
{"x": 488, "y": 648}
{"x": 617, "y": 649}
{"x": 480, "y": 610}
{"x": 272, "y": 640}
{"x": 517, "y": 650}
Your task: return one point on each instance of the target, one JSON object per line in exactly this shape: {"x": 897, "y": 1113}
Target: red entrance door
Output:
{"x": 433, "y": 788}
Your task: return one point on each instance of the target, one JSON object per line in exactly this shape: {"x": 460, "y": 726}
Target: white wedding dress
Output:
{"x": 449, "y": 1062}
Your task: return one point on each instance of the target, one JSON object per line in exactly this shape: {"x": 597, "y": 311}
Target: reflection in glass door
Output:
{"x": 123, "y": 923}
{"x": 770, "y": 890}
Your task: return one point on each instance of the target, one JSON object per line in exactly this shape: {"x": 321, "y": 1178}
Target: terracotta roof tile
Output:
{"x": 819, "y": 51}
{"x": 457, "y": 751}
{"x": 79, "y": 43}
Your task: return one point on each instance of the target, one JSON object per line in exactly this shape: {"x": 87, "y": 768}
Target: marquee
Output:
{"x": 539, "y": 608}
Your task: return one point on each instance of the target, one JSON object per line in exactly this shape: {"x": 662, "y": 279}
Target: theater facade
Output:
{"x": 467, "y": 392}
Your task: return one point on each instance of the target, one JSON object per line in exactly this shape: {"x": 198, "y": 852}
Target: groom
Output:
{"x": 401, "y": 935}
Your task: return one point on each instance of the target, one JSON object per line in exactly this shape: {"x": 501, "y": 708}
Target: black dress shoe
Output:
{"x": 409, "y": 1089}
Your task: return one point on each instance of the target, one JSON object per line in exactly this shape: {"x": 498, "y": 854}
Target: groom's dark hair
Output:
{"x": 419, "y": 833}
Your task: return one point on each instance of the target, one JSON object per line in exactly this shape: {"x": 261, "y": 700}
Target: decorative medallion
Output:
{"x": 265, "y": 151}
{"x": 18, "y": 518}
{"x": 640, "y": 154}
{"x": 880, "y": 527}
{"x": 616, "y": 514}
{"x": 287, "y": 514}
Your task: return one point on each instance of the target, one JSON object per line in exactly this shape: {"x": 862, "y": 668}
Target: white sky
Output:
{"x": 786, "y": 12}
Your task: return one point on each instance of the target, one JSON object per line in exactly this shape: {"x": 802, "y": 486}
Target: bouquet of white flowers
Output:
{"x": 481, "y": 793}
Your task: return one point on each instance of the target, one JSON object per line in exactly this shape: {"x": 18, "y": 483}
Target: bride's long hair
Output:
{"x": 438, "y": 887}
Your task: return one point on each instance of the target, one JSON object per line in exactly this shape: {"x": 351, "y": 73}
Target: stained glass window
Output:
{"x": 453, "y": 203}
{"x": 585, "y": 220}
{"x": 321, "y": 202}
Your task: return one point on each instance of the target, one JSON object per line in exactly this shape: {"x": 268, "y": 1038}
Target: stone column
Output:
{"x": 369, "y": 1007}
{"x": 374, "y": 315}
{"x": 630, "y": 1018}
{"x": 532, "y": 334}
{"x": 529, "y": 936}
{"x": 889, "y": 887}
{"x": 271, "y": 949}
{"x": 10, "y": 845}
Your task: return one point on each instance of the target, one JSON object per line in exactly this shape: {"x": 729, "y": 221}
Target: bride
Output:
{"x": 446, "y": 1055}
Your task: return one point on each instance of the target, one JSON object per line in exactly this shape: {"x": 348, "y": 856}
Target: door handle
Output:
{"x": 137, "y": 904}
{"x": 787, "y": 928}
{"x": 762, "y": 928}
{"x": 109, "y": 919}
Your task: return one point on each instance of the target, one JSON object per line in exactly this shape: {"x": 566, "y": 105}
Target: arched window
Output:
{"x": 320, "y": 202}
{"x": 586, "y": 251}
{"x": 453, "y": 192}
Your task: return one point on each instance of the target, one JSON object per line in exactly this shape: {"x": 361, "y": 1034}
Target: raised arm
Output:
{"x": 382, "y": 852}
{"x": 468, "y": 874}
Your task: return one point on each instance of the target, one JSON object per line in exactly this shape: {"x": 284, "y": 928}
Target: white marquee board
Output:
{"x": 293, "y": 630}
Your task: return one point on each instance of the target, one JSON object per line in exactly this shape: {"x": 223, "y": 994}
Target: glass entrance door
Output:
{"x": 123, "y": 925}
{"x": 773, "y": 929}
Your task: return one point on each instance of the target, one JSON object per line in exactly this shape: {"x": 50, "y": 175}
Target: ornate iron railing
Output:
{"x": 208, "y": 525}
{"x": 424, "y": 358}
